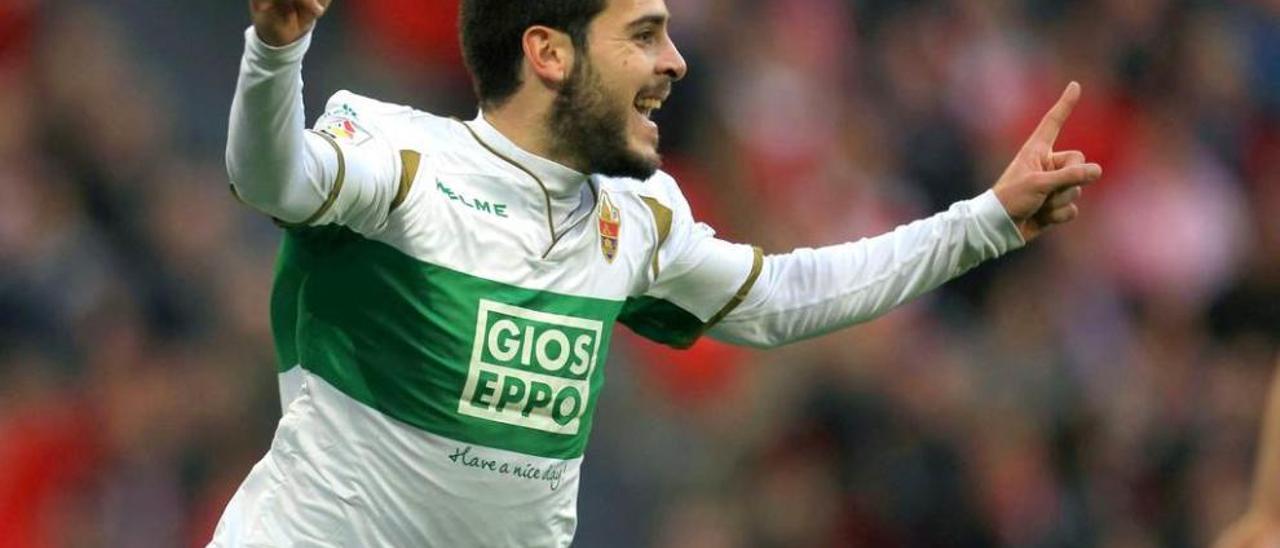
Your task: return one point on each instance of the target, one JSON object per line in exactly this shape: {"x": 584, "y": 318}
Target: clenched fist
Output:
{"x": 282, "y": 22}
{"x": 1040, "y": 187}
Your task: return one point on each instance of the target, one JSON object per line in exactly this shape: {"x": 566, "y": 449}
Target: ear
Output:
{"x": 549, "y": 54}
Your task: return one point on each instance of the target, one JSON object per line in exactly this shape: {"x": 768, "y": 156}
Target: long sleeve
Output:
{"x": 344, "y": 173}
{"x": 809, "y": 292}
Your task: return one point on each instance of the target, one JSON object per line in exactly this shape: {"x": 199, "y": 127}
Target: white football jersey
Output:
{"x": 452, "y": 332}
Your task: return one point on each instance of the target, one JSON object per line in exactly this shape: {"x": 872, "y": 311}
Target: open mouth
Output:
{"x": 646, "y": 106}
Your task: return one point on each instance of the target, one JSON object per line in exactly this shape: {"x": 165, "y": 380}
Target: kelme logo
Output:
{"x": 530, "y": 368}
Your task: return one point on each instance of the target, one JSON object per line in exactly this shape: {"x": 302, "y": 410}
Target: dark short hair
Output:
{"x": 492, "y": 31}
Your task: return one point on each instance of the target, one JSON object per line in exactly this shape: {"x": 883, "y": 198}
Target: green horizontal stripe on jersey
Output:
{"x": 661, "y": 321}
{"x": 457, "y": 355}
{"x": 290, "y": 269}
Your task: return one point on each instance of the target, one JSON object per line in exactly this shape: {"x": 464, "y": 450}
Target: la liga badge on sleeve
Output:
{"x": 610, "y": 222}
{"x": 345, "y": 129}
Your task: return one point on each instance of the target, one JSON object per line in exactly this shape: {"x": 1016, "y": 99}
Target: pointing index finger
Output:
{"x": 1047, "y": 132}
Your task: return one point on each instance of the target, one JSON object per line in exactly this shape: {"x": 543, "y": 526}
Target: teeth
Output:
{"x": 649, "y": 104}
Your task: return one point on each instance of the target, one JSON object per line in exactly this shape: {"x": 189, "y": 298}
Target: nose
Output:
{"x": 671, "y": 63}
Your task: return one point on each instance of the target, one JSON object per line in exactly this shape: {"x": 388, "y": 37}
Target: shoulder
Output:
{"x": 660, "y": 191}
{"x": 349, "y": 104}
{"x": 351, "y": 114}
{"x": 657, "y": 201}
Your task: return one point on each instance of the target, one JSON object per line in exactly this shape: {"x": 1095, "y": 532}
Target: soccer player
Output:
{"x": 447, "y": 289}
{"x": 1260, "y": 525}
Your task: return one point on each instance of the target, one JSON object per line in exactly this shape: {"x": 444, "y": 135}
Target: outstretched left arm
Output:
{"x": 809, "y": 292}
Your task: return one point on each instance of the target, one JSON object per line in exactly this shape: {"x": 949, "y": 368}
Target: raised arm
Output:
{"x": 809, "y": 292}
{"x": 348, "y": 172}
{"x": 283, "y": 22}
{"x": 272, "y": 165}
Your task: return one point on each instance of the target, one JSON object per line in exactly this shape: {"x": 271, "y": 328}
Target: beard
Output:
{"x": 589, "y": 128}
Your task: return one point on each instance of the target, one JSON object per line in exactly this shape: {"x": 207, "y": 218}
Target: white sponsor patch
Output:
{"x": 530, "y": 368}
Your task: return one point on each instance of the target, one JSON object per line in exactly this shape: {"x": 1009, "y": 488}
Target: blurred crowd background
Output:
{"x": 1100, "y": 388}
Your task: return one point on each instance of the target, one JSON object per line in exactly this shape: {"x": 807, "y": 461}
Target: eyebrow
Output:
{"x": 658, "y": 19}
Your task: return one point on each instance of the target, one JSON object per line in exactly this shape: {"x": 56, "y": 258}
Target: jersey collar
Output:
{"x": 560, "y": 181}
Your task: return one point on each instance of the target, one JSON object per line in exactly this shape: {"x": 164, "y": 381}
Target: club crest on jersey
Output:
{"x": 610, "y": 222}
{"x": 344, "y": 129}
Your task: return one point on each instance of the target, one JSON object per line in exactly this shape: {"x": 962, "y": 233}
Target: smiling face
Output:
{"x": 601, "y": 114}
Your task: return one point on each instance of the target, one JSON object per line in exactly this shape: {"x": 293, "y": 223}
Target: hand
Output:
{"x": 1251, "y": 531}
{"x": 283, "y": 22}
{"x": 1040, "y": 187}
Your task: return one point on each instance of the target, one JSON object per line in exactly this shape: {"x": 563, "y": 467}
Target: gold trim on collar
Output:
{"x": 546, "y": 195}
{"x": 551, "y": 228}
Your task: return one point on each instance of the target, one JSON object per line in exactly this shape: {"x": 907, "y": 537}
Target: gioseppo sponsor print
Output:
{"x": 530, "y": 368}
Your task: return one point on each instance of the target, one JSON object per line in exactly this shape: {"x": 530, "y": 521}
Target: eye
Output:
{"x": 647, "y": 36}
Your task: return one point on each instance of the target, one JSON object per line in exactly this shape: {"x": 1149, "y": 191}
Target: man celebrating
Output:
{"x": 447, "y": 290}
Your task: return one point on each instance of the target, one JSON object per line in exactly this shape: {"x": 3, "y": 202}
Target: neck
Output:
{"x": 525, "y": 124}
